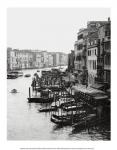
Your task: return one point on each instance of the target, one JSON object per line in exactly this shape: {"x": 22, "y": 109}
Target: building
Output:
{"x": 14, "y": 59}
{"x": 50, "y": 60}
{"x": 98, "y": 52}
{"x": 38, "y": 61}
{"x": 9, "y": 49}
{"x": 71, "y": 59}
{"x": 63, "y": 59}
{"x": 80, "y": 50}
{"x": 92, "y": 52}
{"x": 105, "y": 48}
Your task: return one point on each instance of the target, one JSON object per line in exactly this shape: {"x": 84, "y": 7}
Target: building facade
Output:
{"x": 71, "y": 59}
{"x": 92, "y": 53}
{"x": 29, "y": 59}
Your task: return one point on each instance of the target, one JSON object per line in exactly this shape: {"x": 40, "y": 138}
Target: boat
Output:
{"x": 48, "y": 109}
{"x": 62, "y": 102}
{"x": 13, "y": 91}
{"x": 27, "y": 75}
{"x": 12, "y": 76}
{"x": 38, "y": 70}
{"x": 40, "y": 100}
{"x": 18, "y": 73}
{"x": 67, "y": 119}
{"x": 71, "y": 105}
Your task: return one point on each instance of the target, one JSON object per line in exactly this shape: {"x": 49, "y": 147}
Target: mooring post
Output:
{"x": 29, "y": 93}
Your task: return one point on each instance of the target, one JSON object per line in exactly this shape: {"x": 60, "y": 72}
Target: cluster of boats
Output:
{"x": 78, "y": 109}
{"x": 16, "y": 74}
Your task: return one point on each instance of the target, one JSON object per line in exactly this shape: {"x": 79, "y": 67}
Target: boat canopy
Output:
{"x": 94, "y": 93}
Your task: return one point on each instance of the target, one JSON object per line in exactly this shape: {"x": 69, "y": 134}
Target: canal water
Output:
{"x": 24, "y": 122}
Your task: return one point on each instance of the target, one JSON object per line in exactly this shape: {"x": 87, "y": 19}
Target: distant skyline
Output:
{"x": 51, "y": 29}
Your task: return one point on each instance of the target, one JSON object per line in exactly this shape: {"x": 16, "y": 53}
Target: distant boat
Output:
{"x": 27, "y": 75}
{"x": 38, "y": 70}
{"x": 13, "y": 91}
{"x": 14, "y": 74}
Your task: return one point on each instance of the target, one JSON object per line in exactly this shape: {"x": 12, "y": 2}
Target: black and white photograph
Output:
{"x": 58, "y": 74}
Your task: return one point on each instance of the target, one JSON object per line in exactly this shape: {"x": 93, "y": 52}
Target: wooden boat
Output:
{"x": 67, "y": 119}
{"x": 13, "y": 91}
{"x": 27, "y": 75}
{"x": 18, "y": 73}
{"x": 40, "y": 100}
{"x": 11, "y": 76}
{"x": 72, "y": 106}
{"x": 62, "y": 102}
{"x": 45, "y": 97}
{"x": 48, "y": 109}
{"x": 14, "y": 74}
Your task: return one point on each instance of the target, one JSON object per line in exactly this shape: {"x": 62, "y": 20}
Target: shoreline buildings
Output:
{"x": 30, "y": 59}
{"x": 92, "y": 52}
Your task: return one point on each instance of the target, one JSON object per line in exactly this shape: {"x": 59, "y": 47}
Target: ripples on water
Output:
{"x": 24, "y": 122}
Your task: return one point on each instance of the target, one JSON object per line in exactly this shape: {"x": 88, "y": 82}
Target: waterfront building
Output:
{"x": 38, "y": 61}
{"x": 80, "y": 48}
{"x": 98, "y": 54}
{"x": 45, "y": 58}
{"x": 63, "y": 59}
{"x": 14, "y": 59}
{"x": 105, "y": 48}
{"x": 71, "y": 59}
{"x": 50, "y": 59}
{"x": 92, "y": 51}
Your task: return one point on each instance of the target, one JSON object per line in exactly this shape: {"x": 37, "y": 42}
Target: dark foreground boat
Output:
{"x": 67, "y": 119}
{"x": 40, "y": 100}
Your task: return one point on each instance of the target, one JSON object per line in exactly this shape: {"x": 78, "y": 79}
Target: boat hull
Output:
{"x": 40, "y": 100}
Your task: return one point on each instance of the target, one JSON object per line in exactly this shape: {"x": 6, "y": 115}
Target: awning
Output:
{"x": 97, "y": 86}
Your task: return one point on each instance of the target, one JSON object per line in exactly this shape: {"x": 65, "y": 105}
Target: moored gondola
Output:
{"x": 68, "y": 119}
{"x": 48, "y": 109}
{"x": 40, "y": 100}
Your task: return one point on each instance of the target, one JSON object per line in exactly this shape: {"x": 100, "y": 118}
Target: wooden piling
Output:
{"x": 29, "y": 93}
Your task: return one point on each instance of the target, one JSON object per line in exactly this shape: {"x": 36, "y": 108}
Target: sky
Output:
{"x": 51, "y": 29}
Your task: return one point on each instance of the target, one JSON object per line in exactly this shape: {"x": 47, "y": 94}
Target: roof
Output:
{"x": 97, "y": 94}
{"x": 97, "y": 86}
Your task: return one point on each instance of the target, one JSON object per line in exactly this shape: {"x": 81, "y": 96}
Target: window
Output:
{"x": 80, "y": 36}
{"x": 95, "y": 41}
{"x": 95, "y": 52}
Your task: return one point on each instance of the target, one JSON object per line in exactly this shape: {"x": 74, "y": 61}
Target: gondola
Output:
{"x": 48, "y": 109}
{"x": 40, "y": 100}
{"x": 89, "y": 120}
{"x": 67, "y": 119}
